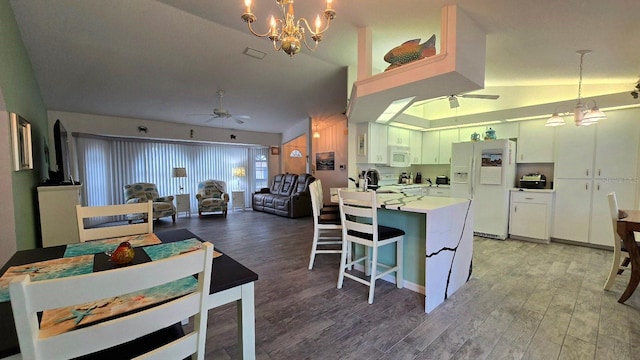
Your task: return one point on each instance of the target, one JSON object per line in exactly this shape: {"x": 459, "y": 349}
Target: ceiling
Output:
{"x": 165, "y": 59}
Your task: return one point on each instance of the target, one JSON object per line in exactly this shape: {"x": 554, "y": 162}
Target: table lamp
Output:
{"x": 179, "y": 172}
{"x": 239, "y": 172}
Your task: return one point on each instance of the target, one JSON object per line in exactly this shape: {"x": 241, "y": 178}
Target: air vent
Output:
{"x": 254, "y": 53}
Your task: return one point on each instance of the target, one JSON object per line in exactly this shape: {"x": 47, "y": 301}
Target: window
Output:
{"x": 262, "y": 173}
{"x": 107, "y": 164}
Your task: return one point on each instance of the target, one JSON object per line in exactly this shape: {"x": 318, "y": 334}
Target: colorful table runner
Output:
{"x": 60, "y": 320}
{"x": 44, "y": 270}
{"x": 99, "y": 246}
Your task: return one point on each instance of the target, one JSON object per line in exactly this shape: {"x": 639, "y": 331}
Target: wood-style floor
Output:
{"x": 524, "y": 301}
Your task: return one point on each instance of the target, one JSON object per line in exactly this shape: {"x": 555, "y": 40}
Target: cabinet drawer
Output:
{"x": 530, "y": 197}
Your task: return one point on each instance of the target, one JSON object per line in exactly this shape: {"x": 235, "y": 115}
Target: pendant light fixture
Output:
{"x": 581, "y": 117}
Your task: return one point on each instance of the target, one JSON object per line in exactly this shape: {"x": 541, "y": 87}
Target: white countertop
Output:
{"x": 413, "y": 203}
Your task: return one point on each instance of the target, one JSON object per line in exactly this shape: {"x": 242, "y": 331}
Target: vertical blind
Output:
{"x": 105, "y": 165}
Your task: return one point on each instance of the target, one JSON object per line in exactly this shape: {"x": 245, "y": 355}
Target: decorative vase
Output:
{"x": 490, "y": 134}
{"x": 475, "y": 137}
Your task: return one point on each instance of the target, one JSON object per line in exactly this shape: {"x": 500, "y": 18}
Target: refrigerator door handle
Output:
{"x": 472, "y": 175}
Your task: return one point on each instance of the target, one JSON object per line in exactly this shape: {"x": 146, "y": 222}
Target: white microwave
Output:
{"x": 399, "y": 156}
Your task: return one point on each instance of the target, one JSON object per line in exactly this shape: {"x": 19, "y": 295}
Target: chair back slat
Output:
{"x": 103, "y": 232}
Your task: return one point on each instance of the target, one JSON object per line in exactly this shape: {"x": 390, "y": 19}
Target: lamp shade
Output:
{"x": 239, "y": 171}
{"x": 593, "y": 116}
{"x": 555, "y": 120}
{"x": 179, "y": 172}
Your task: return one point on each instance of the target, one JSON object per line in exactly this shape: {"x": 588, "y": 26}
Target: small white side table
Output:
{"x": 183, "y": 204}
{"x": 237, "y": 200}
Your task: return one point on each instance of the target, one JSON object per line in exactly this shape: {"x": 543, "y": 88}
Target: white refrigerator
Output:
{"x": 485, "y": 171}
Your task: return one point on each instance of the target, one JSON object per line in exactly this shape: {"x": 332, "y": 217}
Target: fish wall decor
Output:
{"x": 410, "y": 51}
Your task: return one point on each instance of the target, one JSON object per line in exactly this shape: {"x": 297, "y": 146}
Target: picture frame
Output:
{"x": 275, "y": 150}
{"x": 21, "y": 143}
{"x": 325, "y": 161}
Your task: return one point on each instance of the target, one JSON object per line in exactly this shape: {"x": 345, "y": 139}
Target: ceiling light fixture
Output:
{"x": 286, "y": 33}
{"x": 581, "y": 116}
{"x": 316, "y": 134}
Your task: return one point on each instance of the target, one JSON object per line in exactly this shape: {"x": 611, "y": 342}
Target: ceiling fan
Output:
{"x": 222, "y": 113}
{"x": 453, "y": 99}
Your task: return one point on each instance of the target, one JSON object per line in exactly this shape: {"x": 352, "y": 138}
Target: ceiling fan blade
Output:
{"x": 199, "y": 114}
{"x": 422, "y": 102}
{"x": 210, "y": 119}
{"x": 479, "y": 96}
{"x": 238, "y": 120}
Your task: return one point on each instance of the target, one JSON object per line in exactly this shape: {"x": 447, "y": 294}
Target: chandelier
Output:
{"x": 287, "y": 33}
{"x": 581, "y": 115}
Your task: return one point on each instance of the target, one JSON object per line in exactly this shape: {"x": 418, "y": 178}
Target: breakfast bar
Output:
{"x": 438, "y": 242}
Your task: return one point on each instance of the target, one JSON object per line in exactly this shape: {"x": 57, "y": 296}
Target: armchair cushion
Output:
{"x": 142, "y": 192}
{"x": 212, "y": 196}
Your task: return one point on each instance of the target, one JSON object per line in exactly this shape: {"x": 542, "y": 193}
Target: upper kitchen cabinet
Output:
{"x": 535, "y": 142}
{"x": 431, "y": 147}
{"x": 371, "y": 147}
{"x": 436, "y": 146}
{"x": 617, "y": 147}
{"x": 416, "y": 147}
{"x": 507, "y": 130}
{"x": 399, "y": 136}
{"x": 575, "y": 147}
{"x": 447, "y": 137}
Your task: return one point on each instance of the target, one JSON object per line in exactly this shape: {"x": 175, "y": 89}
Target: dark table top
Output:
{"x": 227, "y": 273}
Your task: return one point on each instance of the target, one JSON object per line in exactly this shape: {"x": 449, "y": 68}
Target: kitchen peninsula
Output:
{"x": 438, "y": 244}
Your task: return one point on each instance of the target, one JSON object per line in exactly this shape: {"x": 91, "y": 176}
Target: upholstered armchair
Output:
{"x": 143, "y": 192}
{"x": 212, "y": 197}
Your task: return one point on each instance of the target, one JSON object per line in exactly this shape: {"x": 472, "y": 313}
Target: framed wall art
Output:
{"x": 275, "y": 150}
{"x": 21, "y": 142}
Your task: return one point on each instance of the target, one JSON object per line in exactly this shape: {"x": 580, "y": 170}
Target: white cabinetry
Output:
{"x": 535, "y": 142}
{"x": 430, "y": 147}
{"x": 58, "y": 222}
{"x": 530, "y": 215}
{"x": 436, "y": 146}
{"x": 372, "y": 144}
{"x": 591, "y": 162}
{"x": 575, "y": 148}
{"x": 447, "y": 137}
{"x": 399, "y": 136}
{"x": 416, "y": 147}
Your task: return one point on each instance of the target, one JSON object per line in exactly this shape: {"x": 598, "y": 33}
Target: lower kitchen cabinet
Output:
{"x": 530, "y": 215}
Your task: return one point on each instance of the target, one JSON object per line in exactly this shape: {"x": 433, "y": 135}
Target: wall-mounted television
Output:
{"x": 62, "y": 174}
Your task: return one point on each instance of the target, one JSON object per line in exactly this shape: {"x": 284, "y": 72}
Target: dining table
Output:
{"x": 629, "y": 223}
{"x": 230, "y": 282}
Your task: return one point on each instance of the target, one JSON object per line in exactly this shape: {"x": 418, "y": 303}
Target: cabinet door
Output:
{"x": 535, "y": 142}
{"x": 572, "y": 209}
{"x": 430, "y": 147}
{"x": 378, "y": 143}
{"x": 447, "y": 137}
{"x": 527, "y": 219}
{"x": 416, "y": 147}
{"x": 575, "y": 148}
{"x": 617, "y": 147}
{"x": 399, "y": 136}
{"x": 601, "y": 232}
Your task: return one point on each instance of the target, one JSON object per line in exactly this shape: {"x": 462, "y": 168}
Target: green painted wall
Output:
{"x": 22, "y": 95}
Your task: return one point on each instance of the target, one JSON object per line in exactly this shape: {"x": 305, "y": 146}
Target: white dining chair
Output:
{"x": 29, "y": 298}
{"x": 327, "y": 235}
{"x": 115, "y": 211}
{"x": 621, "y": 258}
{"x": 359, "y": 216}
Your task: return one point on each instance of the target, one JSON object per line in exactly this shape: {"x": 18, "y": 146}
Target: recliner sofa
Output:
{"x": 288, "y": 196}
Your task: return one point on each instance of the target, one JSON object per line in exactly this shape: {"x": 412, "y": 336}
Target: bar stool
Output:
{"x": 325, "y": 227}
{"x": 359, "y": 215}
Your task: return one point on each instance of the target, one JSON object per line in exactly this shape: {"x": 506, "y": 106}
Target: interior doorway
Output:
{"x": 295, "y": 155}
